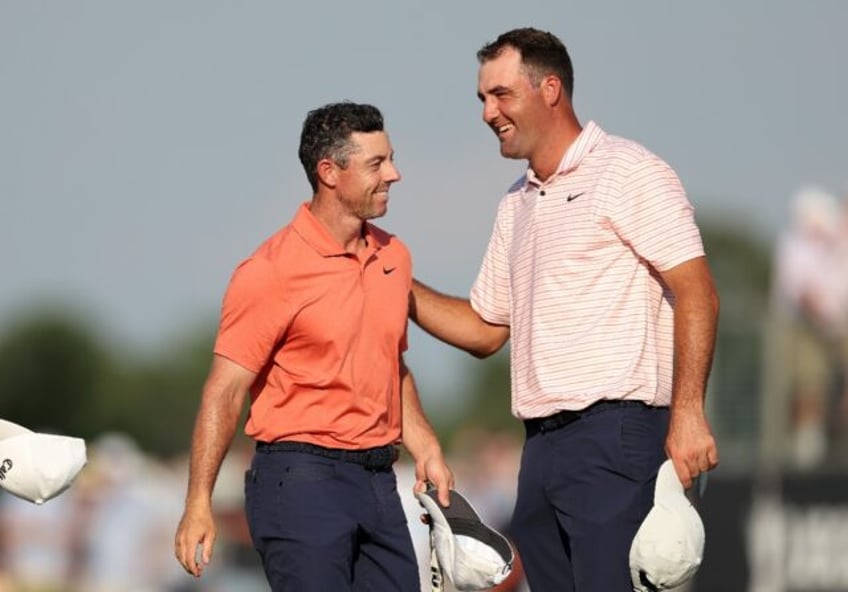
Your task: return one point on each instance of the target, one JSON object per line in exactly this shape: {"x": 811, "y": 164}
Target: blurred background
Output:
{"x": 146, "y": 148}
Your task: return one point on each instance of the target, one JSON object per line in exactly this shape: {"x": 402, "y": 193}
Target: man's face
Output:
{"x": 512, "y": 106}
{"x": 363, "y": 186}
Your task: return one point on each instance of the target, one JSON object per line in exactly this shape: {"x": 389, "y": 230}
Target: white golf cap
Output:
{"x": 470, "y": 553}
{"x": 668, "y": 548}
{"x": 35, "y": 466}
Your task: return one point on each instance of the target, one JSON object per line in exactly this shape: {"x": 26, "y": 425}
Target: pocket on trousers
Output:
{"x": 272, "y": 471}
{"x": 309, "y": 471}
{"x": 250, "y": 497}
{"x": 279, "y": 490}
{"x": 642, "y": 440}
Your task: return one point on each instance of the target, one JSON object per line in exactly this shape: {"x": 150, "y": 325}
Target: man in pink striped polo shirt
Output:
{"x": 596, "y": 272}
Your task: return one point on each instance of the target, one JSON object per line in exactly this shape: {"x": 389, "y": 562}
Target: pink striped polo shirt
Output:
{"x": 570, "y": 267}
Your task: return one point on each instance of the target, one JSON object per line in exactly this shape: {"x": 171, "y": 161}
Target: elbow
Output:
{"x": 715, "y": 303}
{"x": 481, "y": 353}
{"x": 483, "y": 348}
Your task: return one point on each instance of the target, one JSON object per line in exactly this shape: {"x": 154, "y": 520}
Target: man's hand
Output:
{"x": 197, "y": 528}
{"x": 690, "y": 444}
{"x": 434, "y": 470}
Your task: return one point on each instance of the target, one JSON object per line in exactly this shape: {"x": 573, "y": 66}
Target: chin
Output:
{"x": 377, "y": 213}
{"x": 511, "y": 154}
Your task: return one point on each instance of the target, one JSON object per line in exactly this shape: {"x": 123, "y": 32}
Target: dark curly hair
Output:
{"x": 327, "y": 130}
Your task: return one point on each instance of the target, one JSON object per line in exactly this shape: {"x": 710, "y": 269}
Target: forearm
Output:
{"x": 420, "y": 440}
{"x": 214, "y": 429}
{"x": 695, "y": 322}
{"x": 213, "y": 433}
{"x": 453, "y": 321}
{"x": 690, "y": 442}
{"x": 418, "y": 435}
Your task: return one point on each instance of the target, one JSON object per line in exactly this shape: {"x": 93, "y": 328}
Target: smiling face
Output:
{"x": 513, "y": 107}
{"x": 362, "y": 186}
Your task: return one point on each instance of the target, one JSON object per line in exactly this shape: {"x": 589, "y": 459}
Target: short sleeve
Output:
{"x": 254, "y": 315}
{"x": 490, "y": 292}
{"x": 653, "y": 215}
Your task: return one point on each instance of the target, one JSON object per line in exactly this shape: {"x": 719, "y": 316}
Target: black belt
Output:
{"x": 561, "y": 419}
{"x": 373, "y": 459}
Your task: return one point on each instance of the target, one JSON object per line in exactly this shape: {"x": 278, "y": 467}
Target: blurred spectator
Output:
{"x": 811, "y": 304}
{"x": 112, "y": 531}
{"x": 34, "y": 543}
{"x": 128, "y": 507}
{"x": 487, "y": 464}
{"x": 840, "y": 416}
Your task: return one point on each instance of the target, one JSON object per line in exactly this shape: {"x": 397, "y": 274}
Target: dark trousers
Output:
{"x": 583, "y": 490}
{"x": 321, "y": 524}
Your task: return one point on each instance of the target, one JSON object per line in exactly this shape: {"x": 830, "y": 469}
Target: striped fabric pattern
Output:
{"x": 571, "y": 267}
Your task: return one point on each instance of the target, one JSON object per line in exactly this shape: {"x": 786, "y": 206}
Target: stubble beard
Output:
{"x": 367, "y": 210}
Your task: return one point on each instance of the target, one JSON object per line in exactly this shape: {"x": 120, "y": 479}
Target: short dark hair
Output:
{"x": 542, "y": 53}
{"x": 327, "y": 130}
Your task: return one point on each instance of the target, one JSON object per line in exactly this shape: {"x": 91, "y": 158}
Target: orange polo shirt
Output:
{"x": 324, "y": 331}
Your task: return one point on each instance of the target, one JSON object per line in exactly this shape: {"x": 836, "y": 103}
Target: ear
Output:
{"x": 327, "y": 171}
{"x": 552, "y": 90}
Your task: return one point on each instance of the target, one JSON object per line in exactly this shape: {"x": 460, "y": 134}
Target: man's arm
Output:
{"x": 421, "y": 442}
{"x": 220, "y": 407}
{"x": 453, "y": 321}
{"x": 690, "y": 442}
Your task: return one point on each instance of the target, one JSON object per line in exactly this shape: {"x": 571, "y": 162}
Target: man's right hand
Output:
{"x": 197, "y": 528}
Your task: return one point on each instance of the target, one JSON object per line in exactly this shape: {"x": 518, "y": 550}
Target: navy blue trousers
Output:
{"x": 583, "y": 491}
{"x": 321, "y": 524}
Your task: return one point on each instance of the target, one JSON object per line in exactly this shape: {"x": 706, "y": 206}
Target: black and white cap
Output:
{"x": 471, "y": 554}
{"x": 36, "y": 466}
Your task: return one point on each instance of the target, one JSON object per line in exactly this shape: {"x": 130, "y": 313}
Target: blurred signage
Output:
{"x": 790, "y": 535}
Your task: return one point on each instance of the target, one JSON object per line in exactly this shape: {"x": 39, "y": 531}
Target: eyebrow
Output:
{"x": 495, "y": 90}
{"x": 380, "y": 158}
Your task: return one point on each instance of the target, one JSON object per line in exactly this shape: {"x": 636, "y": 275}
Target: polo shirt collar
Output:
{"x": 590, "y": 136}
{"x": 319, "y": 238}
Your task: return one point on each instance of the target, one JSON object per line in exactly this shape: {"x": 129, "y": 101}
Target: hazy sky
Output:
{"x": 146, "y": 147}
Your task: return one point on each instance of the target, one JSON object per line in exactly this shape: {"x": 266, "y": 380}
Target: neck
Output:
{"x": 348, "y": 230}
{"x": 561, "y": 135}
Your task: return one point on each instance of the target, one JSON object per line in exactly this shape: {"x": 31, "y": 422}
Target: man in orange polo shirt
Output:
{"x": 313, "y": 325}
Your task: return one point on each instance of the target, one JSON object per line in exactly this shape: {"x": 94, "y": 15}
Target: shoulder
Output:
{"x": 513, "y": 194}
{"x": 627, "y": 159}
{"x": 517, "y": 185}
{"x": 271, "y": 246}
{"x": 263, "y": 265}
{"x": 622, "y": 151}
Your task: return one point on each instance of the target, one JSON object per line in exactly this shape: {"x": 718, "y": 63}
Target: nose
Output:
{"x": 490, "y": 110}
{"x": 392, "y": 173}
